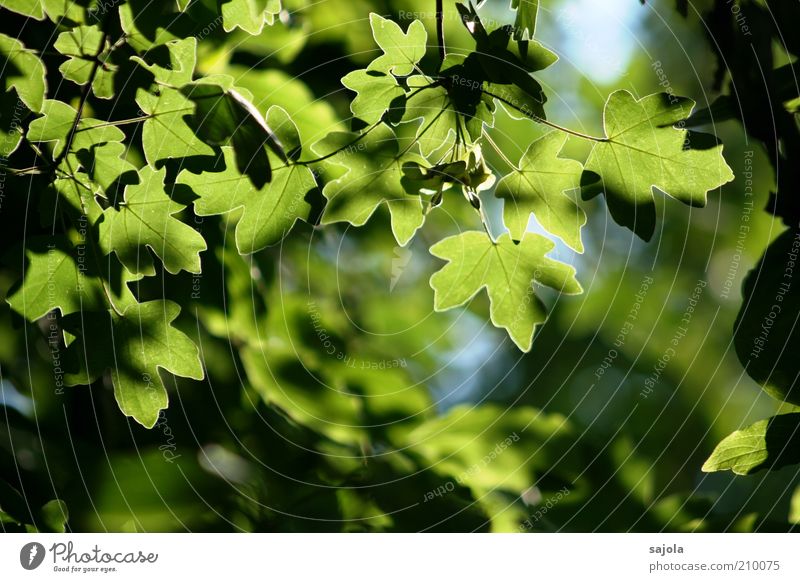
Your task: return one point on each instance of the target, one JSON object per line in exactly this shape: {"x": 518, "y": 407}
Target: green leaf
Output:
{"x": 146, "y": 219}
{"x": 766, "y": 332}
{"x": 172, "y": 63}
{"x": 54, "y": 516}
{"x": 30, "y": 8}
{"x": 166, "y": 135}
{"x": 401, "y": 50}
{"x": 249, "y": 15}
{"x": 226, "y": 116}
{"x": 63, "y": 276}
{"x": 268, "y": 213}
{"x": 646, "y": 147}
{"x": 145, "y": 24}
{"x": 56, "y": 122}
{"x": 64, "y": 12}
{"x": 84, "y": 44}
{"x": 768, "y": 444}
{"x": 107, "y": 166}
{"x": 373, "y": 178}
{"x": 508, "y": 271}
{"x": 10, "y": 123}
{"x": 545, "y": 185}
{"x": 519, "y": 103}
{"x": 23, "y": 71}
{"x": 132, "y": 346}
{"x": 377, "y": 93}
{"x": 525, "y": 23}
{"x": 435, "y": 106}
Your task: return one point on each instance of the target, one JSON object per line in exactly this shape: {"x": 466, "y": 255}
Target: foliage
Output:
{"x": 144, "y": 159}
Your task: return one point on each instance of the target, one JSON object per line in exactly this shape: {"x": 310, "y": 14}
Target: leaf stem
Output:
{"x": 485, "y": 223}
{"x": 338, "y": 150}
{"x": 497, "y": 149}
{"x": 126, "y": 121}
{"x": 543, "y": 121}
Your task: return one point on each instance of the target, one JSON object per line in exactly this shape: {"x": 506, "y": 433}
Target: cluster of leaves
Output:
{"x": 766, "y": 332}
{"x": 251, "y": 165}
{"x": 120, "y": 199}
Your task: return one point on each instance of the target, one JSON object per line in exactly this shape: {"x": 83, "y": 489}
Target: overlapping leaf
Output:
{"x": 377, "y": 93}
{"x": 171, "y": 63}
{"x": 84, "y": 47}
{"x": 22, "y": 78}
{"x": 544, "y": 185}
{"x": 375, "y": 170}
{"x": 167, "y": 134}
{"x": 225, "y": 115}
{"x": 63, "y": 276}
{"x": 54, "y": 127}
{"x": 646, "y": 147}
{"x": 146, "y": 219}
{"x": 269, "y": 212}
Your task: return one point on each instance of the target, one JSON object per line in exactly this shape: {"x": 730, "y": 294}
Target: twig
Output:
{"x": 84, "y": 96}
{"x": 440, "y": 29}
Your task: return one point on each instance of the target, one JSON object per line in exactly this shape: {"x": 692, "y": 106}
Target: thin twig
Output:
{"x": 440, "y": 29}
{"x": 84, "y": 96}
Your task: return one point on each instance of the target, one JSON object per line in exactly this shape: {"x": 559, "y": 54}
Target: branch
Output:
{"x": 84, "y": 96}
{"x": 440, "y": 29}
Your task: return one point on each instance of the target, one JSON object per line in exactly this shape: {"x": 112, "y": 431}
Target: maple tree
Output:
{"x": 142, "y": 173}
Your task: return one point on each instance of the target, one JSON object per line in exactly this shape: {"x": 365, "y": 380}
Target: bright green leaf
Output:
{"x": 23, "y": 71}
{"x": 268, "y": 213}
{"x": 525, "y": 23}
{"x": 545, "y": 185}
{"x": 373, "y": 178}
{"x": 249, "y": 15}
{"x": 646, "y": 147}
{"x": 508, "y": 271}
{"x": 166, "y": 134}
{"x": 172, "y": 63}
{"x": 11, "y": 123}
{"x": 107, "y": 166}
{"x": 63, "y": 276}
{"x": 84, "y": 44}
{"x": 146, "y": 219}
{"x": 55, "y": 516}
{"x": 434, "y": 105}
{"x": 768, "y": 444}
{"x": 31, "y": 8}
{"x": 401, "y": 50}
{"x": 376, "y": 94}
{"x": 56, "y": 122}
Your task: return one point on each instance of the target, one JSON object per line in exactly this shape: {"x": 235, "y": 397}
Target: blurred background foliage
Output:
{"x": 336, "y": 399}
